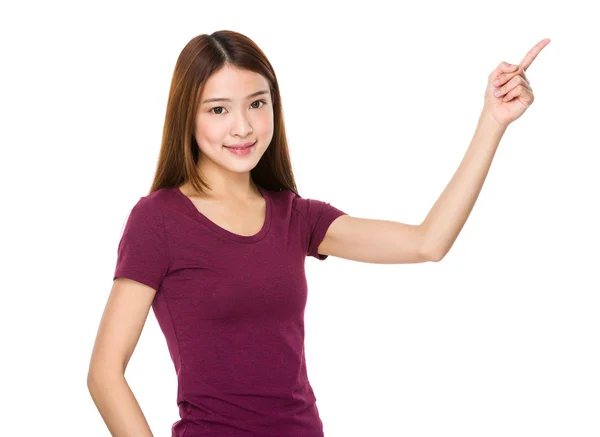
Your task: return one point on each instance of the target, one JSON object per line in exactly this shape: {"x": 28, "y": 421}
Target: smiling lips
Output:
{"x": 241, "y": 146}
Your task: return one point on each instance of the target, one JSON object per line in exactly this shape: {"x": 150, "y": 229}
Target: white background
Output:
{"x": 501, "y": 338}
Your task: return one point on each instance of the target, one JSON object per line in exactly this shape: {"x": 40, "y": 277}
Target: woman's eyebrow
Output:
{"x": 222, "y": 99}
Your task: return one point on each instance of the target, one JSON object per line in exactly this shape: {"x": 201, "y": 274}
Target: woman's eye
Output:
{"x": 220, "y": 107}
{"x": 260, "y": 101}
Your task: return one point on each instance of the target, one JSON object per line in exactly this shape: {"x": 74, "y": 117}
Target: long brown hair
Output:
{"x": 179, "y": 152}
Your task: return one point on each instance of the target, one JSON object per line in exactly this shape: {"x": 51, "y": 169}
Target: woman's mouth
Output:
{"x": 243, "y": 150}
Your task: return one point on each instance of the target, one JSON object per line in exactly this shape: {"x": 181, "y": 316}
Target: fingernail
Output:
{"x": 497, "y": 92}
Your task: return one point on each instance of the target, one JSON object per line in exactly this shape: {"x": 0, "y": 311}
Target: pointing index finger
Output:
{"x": 532, "y": 54}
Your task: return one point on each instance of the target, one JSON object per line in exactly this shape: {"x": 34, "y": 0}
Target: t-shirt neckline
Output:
{"x": 224, "y": 232}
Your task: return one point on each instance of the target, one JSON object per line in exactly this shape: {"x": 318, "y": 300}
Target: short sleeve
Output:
{"x": 143, "y": 253}
{"x": 319, "y": 215}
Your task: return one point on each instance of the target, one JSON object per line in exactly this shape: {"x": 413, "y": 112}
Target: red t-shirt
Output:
{"x": 231, "y": 308}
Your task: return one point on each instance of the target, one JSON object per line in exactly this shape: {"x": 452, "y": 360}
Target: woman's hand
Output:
{"x": 509, "y": 93}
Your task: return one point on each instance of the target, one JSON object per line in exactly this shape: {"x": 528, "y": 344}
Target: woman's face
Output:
{"x": 244, "y": 117}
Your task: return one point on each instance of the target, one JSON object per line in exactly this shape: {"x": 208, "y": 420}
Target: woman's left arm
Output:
{"x": 448, "y": 215}
{"x": 507, "y": 96}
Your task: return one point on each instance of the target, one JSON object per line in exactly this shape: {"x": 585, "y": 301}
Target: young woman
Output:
{"x": 217, "y": 247}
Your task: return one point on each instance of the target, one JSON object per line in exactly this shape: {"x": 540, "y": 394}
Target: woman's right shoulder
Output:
{"x": 154, "y": 201}
{"x": 148, "y": 210}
